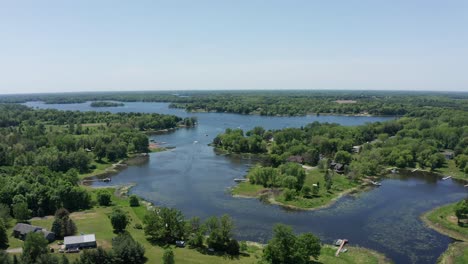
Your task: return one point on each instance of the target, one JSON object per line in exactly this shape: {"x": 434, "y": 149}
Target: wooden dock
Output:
{"x": 98, "y": 180}
{"x": 344, "y": 241}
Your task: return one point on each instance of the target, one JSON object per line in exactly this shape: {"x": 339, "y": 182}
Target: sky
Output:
{"x": 99, "y": 45}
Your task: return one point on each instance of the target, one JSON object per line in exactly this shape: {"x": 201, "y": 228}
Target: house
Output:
{"x": 80, "y": 242}
{"x": 297, "y": 159}
{"x": 357, "y": 149}
{"x": 448, "y": 154}
{"x": 21, "y": 230}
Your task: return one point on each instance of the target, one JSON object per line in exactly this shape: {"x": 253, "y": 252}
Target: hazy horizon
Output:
{"x": 57, "y": 46}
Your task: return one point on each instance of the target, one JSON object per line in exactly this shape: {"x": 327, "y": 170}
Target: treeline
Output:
{"x": 105, "y": 104}
{"x": 292, "y": 103}
{"x": 416, "y": 140}
{"x": 16, "y": 115}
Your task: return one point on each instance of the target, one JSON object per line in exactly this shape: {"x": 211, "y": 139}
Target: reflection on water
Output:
{"x": 194, "y": 179}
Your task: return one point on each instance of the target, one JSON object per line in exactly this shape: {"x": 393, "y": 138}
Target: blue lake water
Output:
{"x": 194, "y": 179}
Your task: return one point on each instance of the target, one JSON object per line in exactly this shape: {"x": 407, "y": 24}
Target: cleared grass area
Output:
{"x": 354, "y": 255}
{"x": 443, "y": 220}
{"x": 453, "y": 170}
{"x": 247, "y": 189}
{"x": 341, "y": 185}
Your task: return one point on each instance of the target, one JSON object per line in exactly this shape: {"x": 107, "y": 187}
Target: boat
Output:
{"x": 240, "y": 180}
{"x": 466, "y": 185}
{"x": 446, "y": 178}
{"x": 376, "y": 183}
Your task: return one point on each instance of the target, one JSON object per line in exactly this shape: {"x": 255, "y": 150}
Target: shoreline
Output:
{"x": 457, "y": 250}
{"x": 440, "y": 229}
{"x": 273, "y": 201}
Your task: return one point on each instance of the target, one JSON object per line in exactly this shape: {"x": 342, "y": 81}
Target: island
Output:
{"x": 106, "y": 104}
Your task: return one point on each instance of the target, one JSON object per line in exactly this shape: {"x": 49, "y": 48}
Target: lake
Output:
{"x": 194, "y": 179}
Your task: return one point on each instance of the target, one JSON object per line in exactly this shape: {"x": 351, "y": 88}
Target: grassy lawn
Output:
{"x": 247, "y": 189}
{"x": 354, "y": 255}
{"x": 340, "y": 185}
{"x": 453, "y": 170}
{"x": 443, "y": 220}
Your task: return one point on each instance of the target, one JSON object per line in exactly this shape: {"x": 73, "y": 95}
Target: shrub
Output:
{"x": 133, "y": 200}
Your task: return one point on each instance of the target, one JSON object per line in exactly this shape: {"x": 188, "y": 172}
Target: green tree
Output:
{"x": 461, "y": 211}
{"x": 104, "y": 198}
{"x": 168, "y": 256}
{"x": 126, "y": 250}
{"x": 63, "y": 225}
{"x": 21, "y": 212}
{"x": 3, "y": 235}
{"x": 233, "y": 247}
{"x": 286, "y": 248}
{"x": 343, "y": 157}
{"x": 5, "y": 213}
{"x": 119, "y": 220}
{"x": 94, "y": 256}
{"x": 133, "y": 200}
{"x": 165, "y": 225}
{"x": 4, "y": 257}
{"x": 34, "y": 246}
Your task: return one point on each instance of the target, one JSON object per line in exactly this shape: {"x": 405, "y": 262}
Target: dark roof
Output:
{"x": 25, "y": 228}
{"x": 297, "y": 159}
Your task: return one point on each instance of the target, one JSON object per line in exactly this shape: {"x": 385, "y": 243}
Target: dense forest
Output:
{"x": 43, "y": 151}
{"x": 290, "y": 103}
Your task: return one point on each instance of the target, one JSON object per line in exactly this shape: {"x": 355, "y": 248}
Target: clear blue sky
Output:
{"x": 64, "y": 45}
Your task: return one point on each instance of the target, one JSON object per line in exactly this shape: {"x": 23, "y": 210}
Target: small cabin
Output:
{"x": 21, "y": 230}
{"x": 80, "y": 242}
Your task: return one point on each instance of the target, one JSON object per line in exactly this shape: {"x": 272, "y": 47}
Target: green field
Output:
{"x": 340, "y": 186}
{"x": 443, "y": 220}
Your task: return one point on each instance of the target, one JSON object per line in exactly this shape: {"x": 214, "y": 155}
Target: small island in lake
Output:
{"x": 106, "y": 104}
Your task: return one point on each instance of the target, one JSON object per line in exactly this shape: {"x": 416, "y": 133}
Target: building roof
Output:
{"x": 25, "y": 228}
{"x": 69, "y": 240}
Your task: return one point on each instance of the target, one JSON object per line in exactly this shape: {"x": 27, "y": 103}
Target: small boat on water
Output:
{"x": 376, "y": 183}
{"x": 466, "y": 185}
{"x": 446, "y": 178}
{"x": 240, "y": 180}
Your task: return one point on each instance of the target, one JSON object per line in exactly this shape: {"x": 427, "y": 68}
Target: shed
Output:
{"x": 80, "y": 242}
{"x": 357, "y": 149}
{"x": 21, "y": 230}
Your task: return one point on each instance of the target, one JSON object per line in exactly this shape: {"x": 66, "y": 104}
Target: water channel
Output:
{"x": 194, "y": 179}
